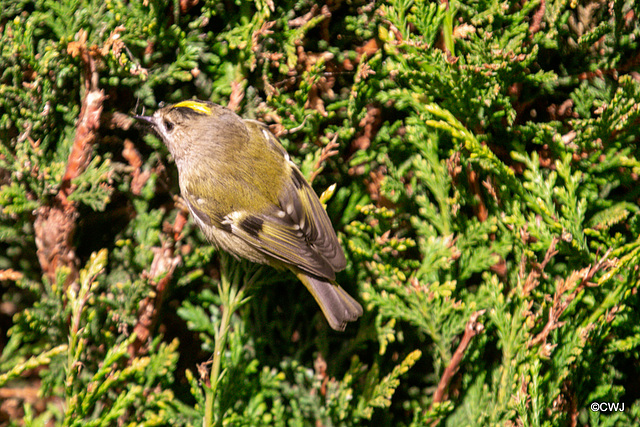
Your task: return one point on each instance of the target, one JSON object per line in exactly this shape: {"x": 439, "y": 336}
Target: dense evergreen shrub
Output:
{"x": 486, "y": 164}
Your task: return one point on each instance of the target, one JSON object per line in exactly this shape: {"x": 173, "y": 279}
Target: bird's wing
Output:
{"x": 297, "y": 232}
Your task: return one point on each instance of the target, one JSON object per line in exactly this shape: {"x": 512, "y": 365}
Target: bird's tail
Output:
{"x": 336, "y": 304}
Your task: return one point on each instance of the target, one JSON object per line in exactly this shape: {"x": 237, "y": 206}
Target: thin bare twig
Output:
{"x": 561, "y": 301}
{"x": 327, "y": 152}
{"x": 472, "y": 329}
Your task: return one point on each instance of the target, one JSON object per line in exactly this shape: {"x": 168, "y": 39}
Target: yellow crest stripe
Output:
{"x": 197, "y": 106}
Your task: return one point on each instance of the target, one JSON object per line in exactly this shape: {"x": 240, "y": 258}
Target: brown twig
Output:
{"x": 480, "y": 208}
{"x": 55, "y": 225}
{"x": 139, "y": 177}
{"x": 236, "y": 97}
{"x": 536, "y": 22}
{"x": 561, "y": 301}
{"x": 369, "y": 126}
{"x": 472, "y": 329}
{"x": 160, "y": 274}
{"x": 537, "y": 270}
{"x": 328, "y": 151}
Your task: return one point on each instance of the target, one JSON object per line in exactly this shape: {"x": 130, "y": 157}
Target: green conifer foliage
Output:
{"x": 481, "y": 162}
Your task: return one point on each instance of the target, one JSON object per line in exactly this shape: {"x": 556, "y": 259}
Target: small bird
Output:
{"x": 250, "y": 199}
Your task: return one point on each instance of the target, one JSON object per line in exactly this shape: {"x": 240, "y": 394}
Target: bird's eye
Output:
{"x": 168, "y": 125}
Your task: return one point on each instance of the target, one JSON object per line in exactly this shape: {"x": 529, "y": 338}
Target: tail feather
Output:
{"x": 336, "y": 304}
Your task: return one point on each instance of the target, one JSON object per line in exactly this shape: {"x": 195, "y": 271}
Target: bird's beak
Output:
{"x": 146, "y": 119}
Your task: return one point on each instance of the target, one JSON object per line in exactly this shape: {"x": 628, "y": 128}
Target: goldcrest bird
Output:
{"x": 250, "y": 199}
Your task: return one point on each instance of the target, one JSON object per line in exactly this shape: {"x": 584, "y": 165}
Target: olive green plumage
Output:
{"x": 249, "y": 199}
